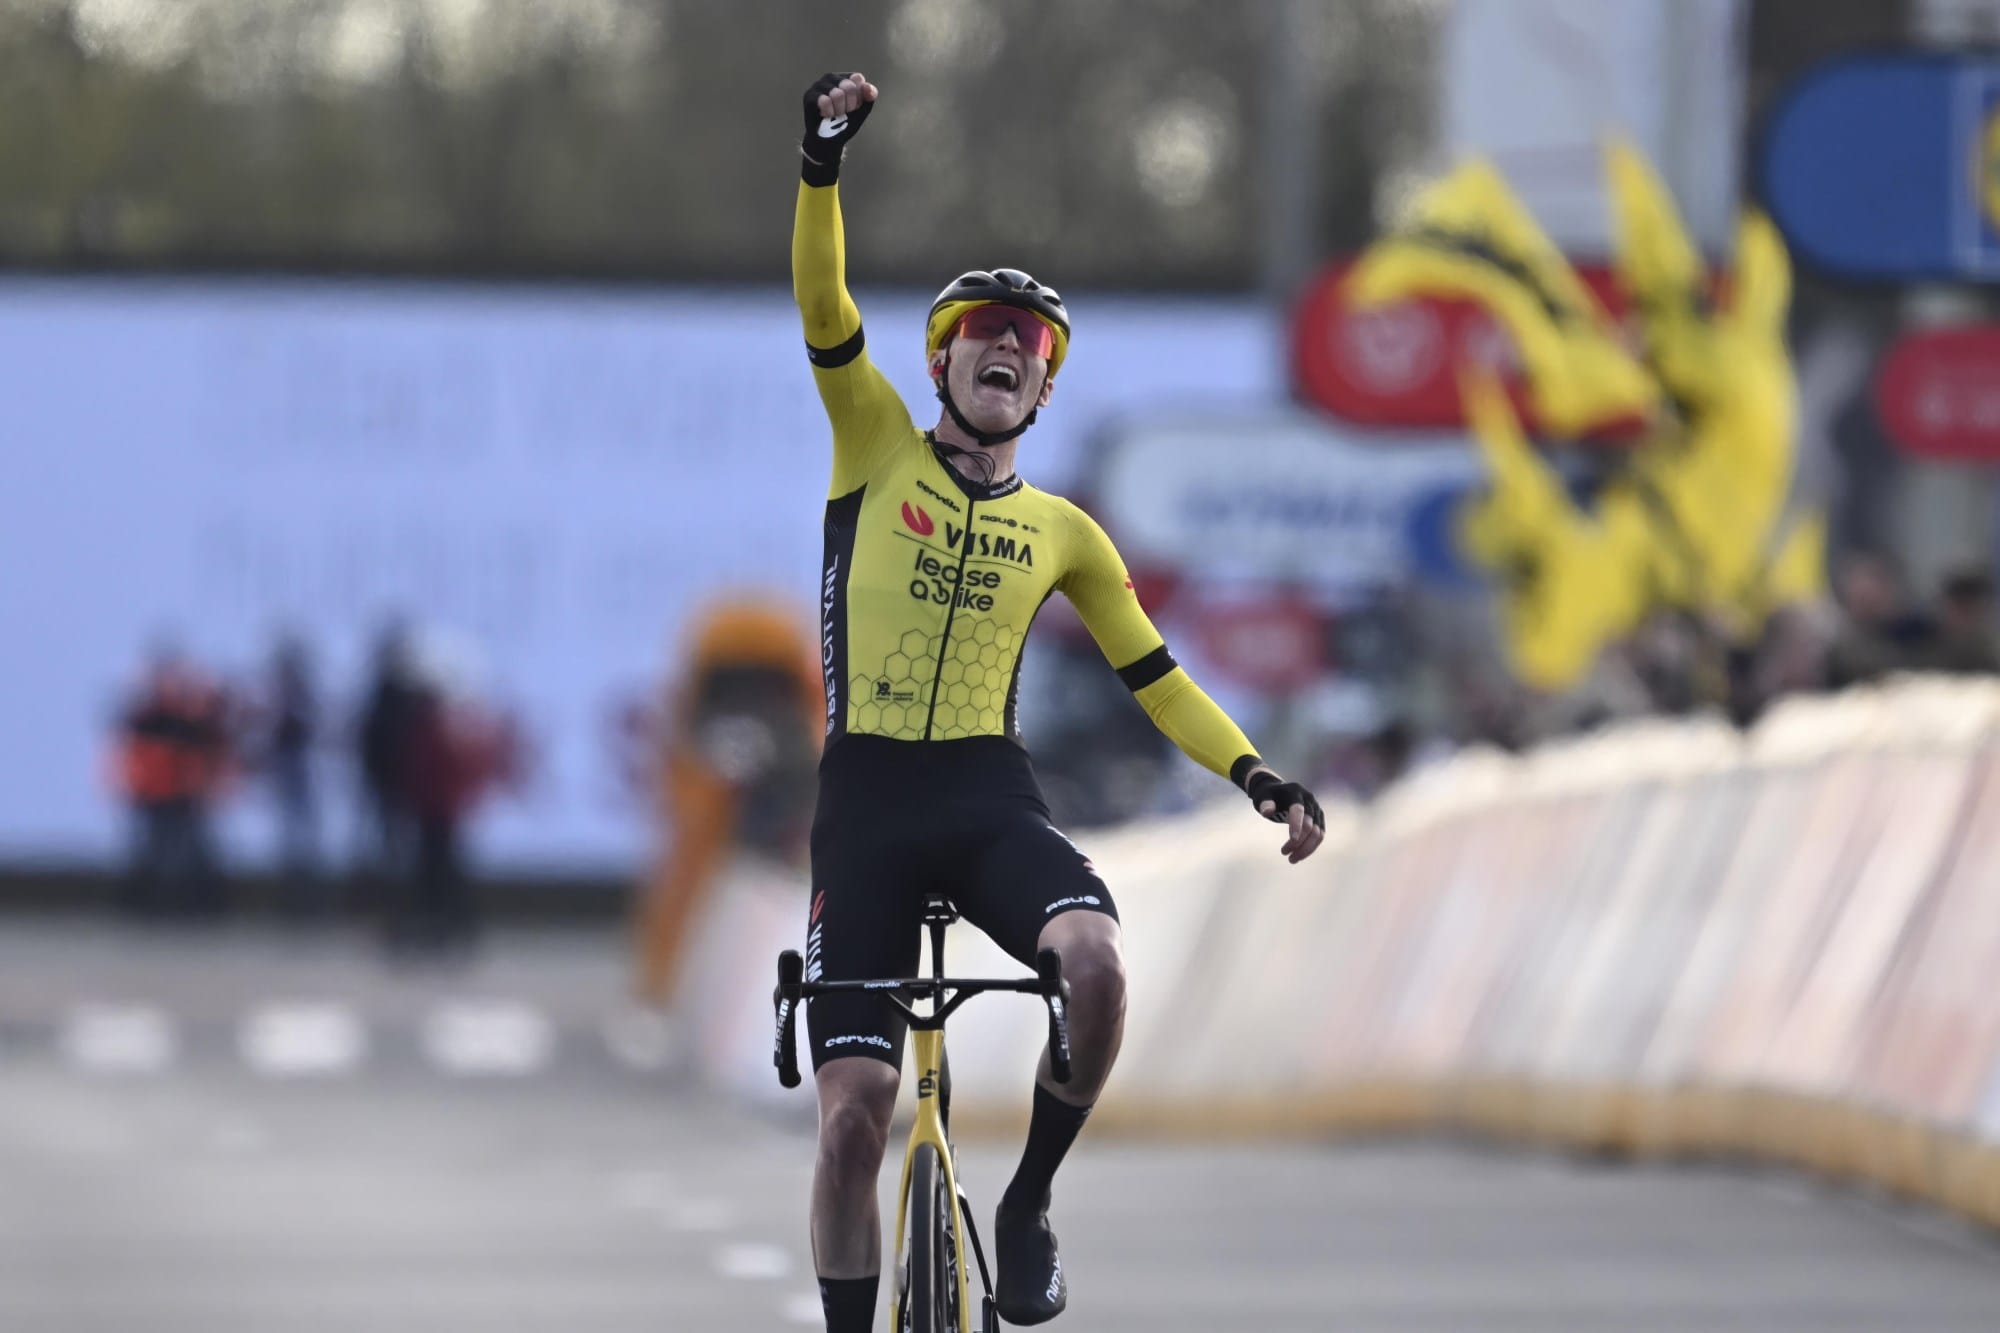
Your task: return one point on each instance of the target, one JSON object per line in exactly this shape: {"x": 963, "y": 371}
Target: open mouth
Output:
{"x": 1000, "y": 377}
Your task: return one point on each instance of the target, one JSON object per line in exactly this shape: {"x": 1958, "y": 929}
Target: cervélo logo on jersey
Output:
{"x": 937, "y": 495}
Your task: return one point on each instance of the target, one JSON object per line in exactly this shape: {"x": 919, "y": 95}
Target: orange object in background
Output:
{"x": 172, "y": 741}
{"x": 739, "y": 752}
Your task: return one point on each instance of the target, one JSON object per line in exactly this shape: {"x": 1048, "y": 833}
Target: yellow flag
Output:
{"x": 1725, "y": 475}
{"x": 1700, "y": 520}
{"x": 1571, "y": 583}
{"x": 1468, "y": 237}
{"x": 1659, "y": 267}
{"x": 1797, "y": 572}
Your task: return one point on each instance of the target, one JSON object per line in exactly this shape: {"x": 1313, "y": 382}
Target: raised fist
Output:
{"x": 835, "y": 106}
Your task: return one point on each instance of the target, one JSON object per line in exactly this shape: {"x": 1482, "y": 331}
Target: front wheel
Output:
{"x": 929, "y": 1290}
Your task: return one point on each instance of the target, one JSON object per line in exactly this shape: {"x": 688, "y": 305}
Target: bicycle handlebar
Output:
{"x": 791, "y": 976}
{"x": 793, "y": 990}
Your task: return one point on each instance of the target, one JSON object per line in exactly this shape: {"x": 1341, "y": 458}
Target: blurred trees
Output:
{"x": 1112, "y": 141}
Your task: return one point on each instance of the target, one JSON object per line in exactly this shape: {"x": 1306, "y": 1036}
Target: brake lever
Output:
{"x": 1055, "y": 992}
{"x": 791, "y": 972}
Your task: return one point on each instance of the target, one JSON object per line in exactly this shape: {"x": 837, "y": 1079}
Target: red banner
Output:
{"x": 1272, "y": 644}
{"x": 1938, "y": 393}
{"x": 1396, "y": 365}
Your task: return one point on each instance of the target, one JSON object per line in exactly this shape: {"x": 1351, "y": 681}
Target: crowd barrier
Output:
{"x": 1667, "y": 939}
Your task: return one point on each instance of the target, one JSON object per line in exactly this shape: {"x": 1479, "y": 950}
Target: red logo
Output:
{"x": 917, "y": 520}
{"x": 1938, "y": 393}
{"x": 819, "y": 901}
{"x": 1392, "y": 350}
{"x": 1397, "y": 365}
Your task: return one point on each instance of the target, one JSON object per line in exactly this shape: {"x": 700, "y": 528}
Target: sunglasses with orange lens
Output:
{"x": 986, "y": 322}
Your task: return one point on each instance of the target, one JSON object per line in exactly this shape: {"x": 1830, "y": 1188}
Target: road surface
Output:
{"x": 239, "y": 1134}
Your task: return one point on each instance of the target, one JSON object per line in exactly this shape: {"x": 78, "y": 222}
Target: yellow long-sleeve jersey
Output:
{"x": 930, "y": 581}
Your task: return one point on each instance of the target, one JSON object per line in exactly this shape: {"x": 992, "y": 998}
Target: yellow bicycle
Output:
{"x": 933, "y": 1217}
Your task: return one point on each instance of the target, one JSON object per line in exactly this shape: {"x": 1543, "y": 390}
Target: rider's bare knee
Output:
{"x": 856, "y": 1104}
{"x": 1094, "y": 966}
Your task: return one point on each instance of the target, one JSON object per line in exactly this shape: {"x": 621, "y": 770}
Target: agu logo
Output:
{"x": 916, "y": 520}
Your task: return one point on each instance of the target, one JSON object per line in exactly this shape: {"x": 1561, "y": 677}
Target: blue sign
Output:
{"x": 1432, "y": 533}
{"x": 1888, "y": 167}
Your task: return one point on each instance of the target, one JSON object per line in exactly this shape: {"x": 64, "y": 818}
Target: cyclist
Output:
{"x": 937, "y": 557}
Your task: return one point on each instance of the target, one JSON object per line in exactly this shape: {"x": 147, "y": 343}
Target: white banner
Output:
{"x": 1536, "y": 84}
{"x": 1273, "y": 497}
{"x": 559, "y": 478}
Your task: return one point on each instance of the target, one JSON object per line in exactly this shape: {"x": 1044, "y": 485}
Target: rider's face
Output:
{"x": 996, "y": 381}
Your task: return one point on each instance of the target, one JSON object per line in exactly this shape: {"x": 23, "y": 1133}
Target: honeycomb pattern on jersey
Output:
{"x": 971, "y": 683}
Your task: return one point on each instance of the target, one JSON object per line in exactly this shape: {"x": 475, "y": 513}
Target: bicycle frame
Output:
{"x": 932, "y": 1126}
{"x": 928, "y": 1060}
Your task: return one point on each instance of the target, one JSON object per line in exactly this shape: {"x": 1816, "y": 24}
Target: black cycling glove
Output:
{"x": 826, "y": 137}
{"x": 1265, "y": 785}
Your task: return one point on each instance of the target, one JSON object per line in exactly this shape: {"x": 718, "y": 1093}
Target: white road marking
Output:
{"x": 752, "y": 1263}
{"x": 504, "y": 1037}
{"x": 294, "y": 1040}
{"x": 119, "y": 1039}
{"x": 804, "y": 1308}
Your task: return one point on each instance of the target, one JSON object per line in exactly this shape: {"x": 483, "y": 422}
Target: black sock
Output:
{"x": 849, "y": 1303}
{"x": 1053, "y": 1127}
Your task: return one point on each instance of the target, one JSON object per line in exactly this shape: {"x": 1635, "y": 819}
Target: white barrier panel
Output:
{"x": 1665, "y": 937}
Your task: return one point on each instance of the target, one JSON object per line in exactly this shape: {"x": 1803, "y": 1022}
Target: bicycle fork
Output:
{"x": 929, "y": 1131}
{"x": 989, "y": 1313}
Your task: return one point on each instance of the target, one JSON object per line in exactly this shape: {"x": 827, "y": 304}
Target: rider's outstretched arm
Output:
{"x": 1095, "y": 581}
{"x": 868, "y": 416}
{"x": 1096, "y": 584}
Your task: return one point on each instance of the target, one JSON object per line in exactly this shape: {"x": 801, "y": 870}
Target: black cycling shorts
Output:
{"x": 899, "y": 820}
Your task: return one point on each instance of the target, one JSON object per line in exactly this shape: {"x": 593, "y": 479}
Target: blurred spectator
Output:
{"x": 384, "y": 741}
{"x": 1327, "y": 733}
{"x": 1964, "y": 642}
{"x": 1099, "y": 759}
{"x": 1493, "y": 712}
{"x": 1880, "y": 632}
{"x": 172, "y": 760}
{"x": 1791, "y": 656}
{"x": 456, "y": 752}
{"x": 1361, "y": 767}
{"x": 292, "y": 728}
{"x": 434, "y": 908}
{"x": 741, "y": 744}
{"x": 1395, "y": 751}
{"x": 1681, "y": 661}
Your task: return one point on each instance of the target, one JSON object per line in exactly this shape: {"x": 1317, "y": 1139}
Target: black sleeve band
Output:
{"x": 819, "y": 173}
{"x": 1153, "y": 666}
{"x": 1239, "y": 772}
{"x": 832, "y": 358}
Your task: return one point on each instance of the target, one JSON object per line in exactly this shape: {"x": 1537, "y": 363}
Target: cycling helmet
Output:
{"x": 1000, "y": 286}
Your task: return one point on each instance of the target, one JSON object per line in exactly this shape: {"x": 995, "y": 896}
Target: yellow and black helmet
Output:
{"x": 999, "y": 286}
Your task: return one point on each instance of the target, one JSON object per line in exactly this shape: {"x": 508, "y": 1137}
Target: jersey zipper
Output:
{"x": 950, "y": 610}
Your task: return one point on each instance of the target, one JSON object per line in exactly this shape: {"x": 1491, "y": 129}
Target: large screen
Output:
{"x": 552, "y": 481}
